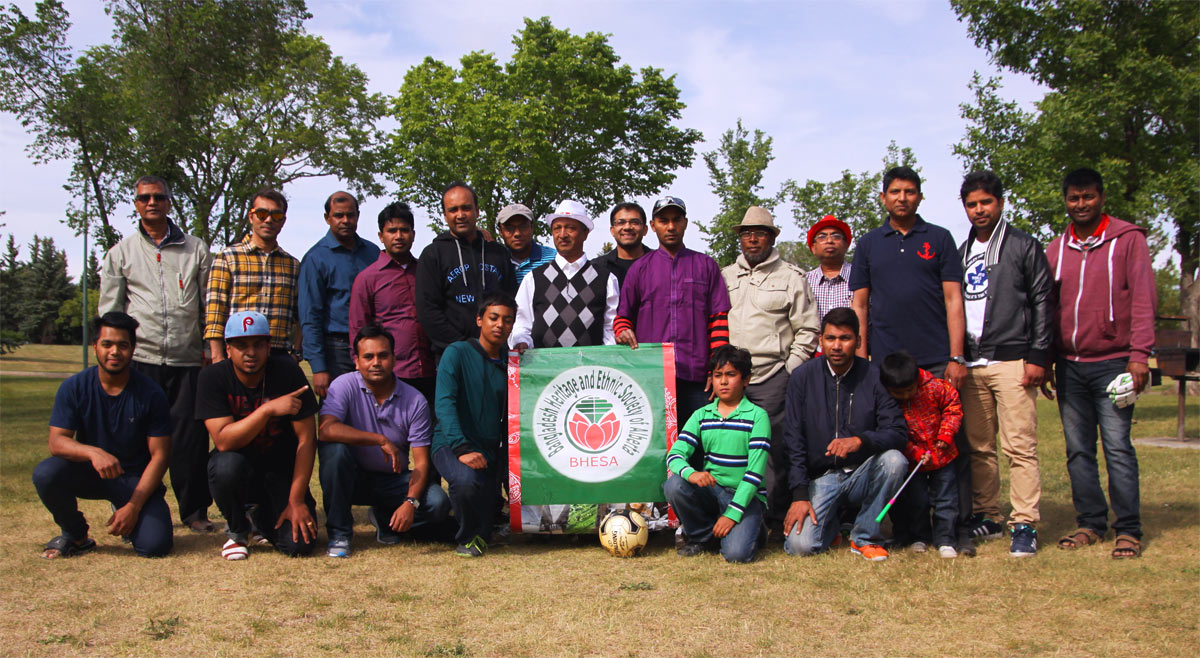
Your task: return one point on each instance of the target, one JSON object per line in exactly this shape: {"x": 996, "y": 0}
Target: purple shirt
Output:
{"x": 403, "y": 418}
{"x": 669, "y": 300}
{"x": 385, "y": 293}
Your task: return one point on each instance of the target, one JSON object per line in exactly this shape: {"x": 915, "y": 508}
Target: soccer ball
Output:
{"x": 623, "y": 532}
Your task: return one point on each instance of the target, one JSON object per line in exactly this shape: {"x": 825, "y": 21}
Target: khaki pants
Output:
{"x": 994, "y": 400}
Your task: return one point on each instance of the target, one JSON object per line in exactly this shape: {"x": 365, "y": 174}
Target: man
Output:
{"x": 255, "y": 275}
{"x": 326, "y": 277}
{"x": 109, "y": 440}
{"x": 1006, "y": 287}
{"x": 158, "y": 277}
{"x": 384, "y": 293}
{"x": 829, "y": 239}
{"x": 457, "y": 270}
{"x": 469, "y": 447}
{"x": 676, "y": 295}
{"x": 844, "y": 437}
{"x": 1103, "y": 327}
{"x": 368, "y": 423}
{"x": 627, "y": 223}
{"x": 907, "y": 286}
{"x": 258, "y": 407}
{"x": 515, "y": 222}
{"x": 774, "y": 317}
{"x": 570, "y": 301}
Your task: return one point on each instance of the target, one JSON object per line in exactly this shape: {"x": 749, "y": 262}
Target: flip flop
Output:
{"x": 202, "y": 526}
{"x": 62, "y": 547}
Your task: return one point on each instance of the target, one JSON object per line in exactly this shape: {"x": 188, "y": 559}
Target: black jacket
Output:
{"x": 450, "y": 285}
{"x": 1017, "y": 318}
{"x": 820, "y": 408}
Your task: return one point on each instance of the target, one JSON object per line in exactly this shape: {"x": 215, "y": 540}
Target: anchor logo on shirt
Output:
{"x": 927, "y": 253}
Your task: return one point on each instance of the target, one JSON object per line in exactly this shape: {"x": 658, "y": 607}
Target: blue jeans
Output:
{"x": 238, "y": 481}
{"x": 1083, "y": 404}
{"x": 339, "y": 355}
{"x": 910, "y": 515}
{"x": 868, "y": 487}
{"x": 699, "y": 508}
{"x": 344, "y": 484}
{"x": 61, "y": 483}
{"x": 474, "y": 494}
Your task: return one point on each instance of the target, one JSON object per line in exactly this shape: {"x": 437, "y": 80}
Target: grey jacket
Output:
{"x": 162, "y": 286}
{"x": 773, "y": 314}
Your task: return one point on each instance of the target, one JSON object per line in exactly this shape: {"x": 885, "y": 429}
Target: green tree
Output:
{"x": 735, "y": 171}
{"x": 852, "y": 198}
{"x": 10, "y": 285}
{"x": 44, "y": 286}
{"x": 1123, "y": 95}
{"x": 560, "y": 120}
{"x": 72, "y": 106}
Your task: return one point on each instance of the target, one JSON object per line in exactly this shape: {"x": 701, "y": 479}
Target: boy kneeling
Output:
{"x": 727, "y": 500}
{"x": 934, "y": 413}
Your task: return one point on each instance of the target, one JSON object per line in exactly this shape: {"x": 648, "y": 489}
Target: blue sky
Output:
{"x": 831, "y": 82}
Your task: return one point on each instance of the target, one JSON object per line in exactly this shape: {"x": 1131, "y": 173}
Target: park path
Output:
{"x": 33, "y": 373}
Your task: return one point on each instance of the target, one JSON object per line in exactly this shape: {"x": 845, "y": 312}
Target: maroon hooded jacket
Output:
{"x": 1104, "y": 293}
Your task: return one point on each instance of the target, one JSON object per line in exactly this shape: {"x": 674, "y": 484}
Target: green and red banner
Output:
{"x": 588, "y": 426}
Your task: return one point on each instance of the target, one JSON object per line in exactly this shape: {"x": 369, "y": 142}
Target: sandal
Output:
{"x": 1081, "y": 537}
{"x": 62, "y": 547}
{"x": 202, "y": 526}
{"x": 1126, "y": 547}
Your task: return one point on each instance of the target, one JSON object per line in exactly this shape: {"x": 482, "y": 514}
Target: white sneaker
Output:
{"x": 947, "y": 552}
{"x": 918, "y": 547}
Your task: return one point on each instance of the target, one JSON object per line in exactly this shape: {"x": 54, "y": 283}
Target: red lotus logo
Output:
{"x": 592, "y": 425}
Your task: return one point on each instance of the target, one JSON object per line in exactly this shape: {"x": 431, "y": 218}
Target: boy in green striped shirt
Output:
{"x": 726, "y": 501}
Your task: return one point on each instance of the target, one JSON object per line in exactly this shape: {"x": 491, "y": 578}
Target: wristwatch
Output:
{"x": 959, "y": 360}
{"x": 414, "y": 502}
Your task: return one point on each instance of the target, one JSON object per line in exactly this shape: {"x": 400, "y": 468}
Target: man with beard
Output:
{"x": 844, "y": 436}
{"x": 459, "y": 268}
{"x": 326, "y": 277}
{"x": 109, "y": 440}
{"x": 773, "y": 316}
{"x": 369, "y": 421}
{"x": 627, "y": 223}
{"x": 259, "y": 410}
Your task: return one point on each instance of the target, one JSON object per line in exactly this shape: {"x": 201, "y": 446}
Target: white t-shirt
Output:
{"x": 975, "y": 290}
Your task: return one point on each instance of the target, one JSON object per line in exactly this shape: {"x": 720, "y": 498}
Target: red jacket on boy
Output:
{"x": 933, "y": 414}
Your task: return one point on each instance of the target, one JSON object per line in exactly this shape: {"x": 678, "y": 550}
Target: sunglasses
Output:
{"x": 145, "y": 198}
{"x": 262, "y": 214}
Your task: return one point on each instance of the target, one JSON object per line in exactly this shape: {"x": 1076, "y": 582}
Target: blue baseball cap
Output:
{"x": 245, "y": 324}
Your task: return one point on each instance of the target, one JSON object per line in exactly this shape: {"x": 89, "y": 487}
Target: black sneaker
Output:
{"x": 1024, "y": 541}
{"x": 983, "y": 529}
{"x": 474, "y": 548}
{"x": 689, "y": 550}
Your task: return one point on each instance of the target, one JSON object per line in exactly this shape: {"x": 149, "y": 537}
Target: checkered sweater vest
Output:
{"x": 569, "y": 312}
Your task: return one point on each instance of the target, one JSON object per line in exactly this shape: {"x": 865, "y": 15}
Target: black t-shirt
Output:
{"x": 219, "y": 393}
{"x": 619, "y": 266}
{"x": 118, "y": 424}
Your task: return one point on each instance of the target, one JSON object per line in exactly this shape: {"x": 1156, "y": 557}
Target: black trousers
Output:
{"x": 189, "y": 438}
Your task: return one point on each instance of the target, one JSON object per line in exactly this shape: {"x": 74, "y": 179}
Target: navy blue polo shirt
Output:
{"x": 905, "y": 275}
{"x": 117, "y": 424}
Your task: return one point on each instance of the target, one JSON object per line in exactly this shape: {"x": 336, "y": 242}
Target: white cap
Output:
{"x": 570, "y": 209}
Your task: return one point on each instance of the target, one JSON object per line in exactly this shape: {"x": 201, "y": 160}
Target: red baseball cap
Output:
{"x": 828, "y": 221}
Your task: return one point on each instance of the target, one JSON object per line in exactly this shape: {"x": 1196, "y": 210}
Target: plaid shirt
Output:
{"x": 246, "y": 278}
{"x": 830, "y": 293}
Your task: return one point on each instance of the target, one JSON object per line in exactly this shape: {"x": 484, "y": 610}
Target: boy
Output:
{"x": 469, "y": 447}
{"x": 933, "y": 413}
{"x": 728, "y": 500}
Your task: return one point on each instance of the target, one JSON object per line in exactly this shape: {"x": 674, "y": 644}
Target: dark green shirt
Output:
{"x": 471, "y": 401}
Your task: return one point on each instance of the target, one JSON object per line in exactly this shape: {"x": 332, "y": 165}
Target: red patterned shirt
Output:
{"x": 933, "y": 414}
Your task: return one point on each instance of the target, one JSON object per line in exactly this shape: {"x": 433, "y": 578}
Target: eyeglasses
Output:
{"x": 145, "y": 198}
{"x": 836, "y": 236}
{"x": 754, "y": 233}
{"x": 632, "y": 223}
{"x": 340, "y": 215}
{"x": 262, "y": 214}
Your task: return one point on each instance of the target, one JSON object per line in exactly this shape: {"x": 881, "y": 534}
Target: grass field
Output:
{"x": 568, "y": 597}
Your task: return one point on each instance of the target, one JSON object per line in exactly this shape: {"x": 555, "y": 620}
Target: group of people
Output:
{"x": 804, "y": 398}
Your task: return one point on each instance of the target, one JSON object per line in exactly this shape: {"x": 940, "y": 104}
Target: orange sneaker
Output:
{"x": 872, "y": 552}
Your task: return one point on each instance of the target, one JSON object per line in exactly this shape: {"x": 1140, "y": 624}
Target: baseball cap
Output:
{"x": 245, "y": 324}
{"x": 667, "y": 202}
{"x": 514, "y": 210}
{"x": 828, "y": 221}
{"x": 570, "y": 209}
